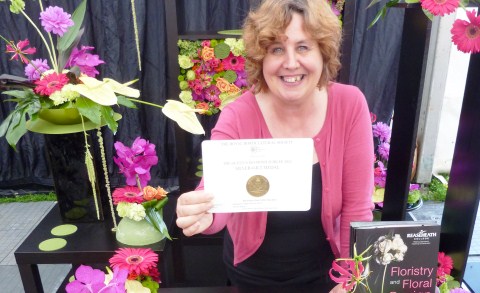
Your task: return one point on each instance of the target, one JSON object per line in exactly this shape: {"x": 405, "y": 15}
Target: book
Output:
{"x": 403, "y": 255}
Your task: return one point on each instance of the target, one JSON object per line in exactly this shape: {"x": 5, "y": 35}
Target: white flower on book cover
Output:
{"x": 389, "y": 248}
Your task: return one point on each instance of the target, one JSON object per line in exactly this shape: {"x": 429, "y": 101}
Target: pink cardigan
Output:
{"x": 344, "y": 148}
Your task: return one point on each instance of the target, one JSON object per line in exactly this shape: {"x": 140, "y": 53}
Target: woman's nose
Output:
{"x": 291, "y": 60}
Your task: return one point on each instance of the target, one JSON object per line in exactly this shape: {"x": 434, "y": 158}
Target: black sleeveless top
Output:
{"x": 294, "y": 252}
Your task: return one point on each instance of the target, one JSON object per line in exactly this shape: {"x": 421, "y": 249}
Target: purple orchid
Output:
{"x": 35, "y": 68}
{"x": 117, "y": 283}
{"x": 241, "y": 79}
{"x": 382, "y": 131}
{"x": 85, "y": 61}
{"x": 55, "y": 20}
{"x": 136, "y": 161}
{"x": 86, "y": 280}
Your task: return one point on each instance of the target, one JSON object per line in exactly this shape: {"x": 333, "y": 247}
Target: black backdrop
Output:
{"x": 109, "y": 28}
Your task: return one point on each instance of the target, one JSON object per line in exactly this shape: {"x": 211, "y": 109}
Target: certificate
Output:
{"x": 251, "y": 175}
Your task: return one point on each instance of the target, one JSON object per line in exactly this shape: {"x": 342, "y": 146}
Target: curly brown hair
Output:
{"x": 268, "y": 22}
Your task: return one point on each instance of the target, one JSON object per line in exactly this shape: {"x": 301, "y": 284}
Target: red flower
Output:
{"x": 440, "y": 7}
{"x": 50, "y": 84}
{"x": 127, "y": 194}
{"x": 349, "y": 276}
{"x": 445, "y": 266}
{"x": 19, "y": 50}
{"x": 466, "y": 35}
{"x": 138, "y": 261}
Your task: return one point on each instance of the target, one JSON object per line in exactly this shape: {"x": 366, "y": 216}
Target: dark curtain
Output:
{"x": 109, "y": 28}
{"x": 375, "y": 57}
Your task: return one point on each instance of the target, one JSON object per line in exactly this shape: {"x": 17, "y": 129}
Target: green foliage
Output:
{"x": 437, "y": 191}
{"x": 221, "y": 51}
{"x": 414, "y": 196}
{"x": 29, "y": 198}
{"x": 230, "y": 76}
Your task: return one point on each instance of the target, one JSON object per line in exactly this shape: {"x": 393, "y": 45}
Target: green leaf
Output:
{"x": 155, "y": 218}
{"x": 150, "y": 284}
{"x": 107, "y": 114}
{"x": 412, "y": 1}
{"x": 17, "y": 129}
{"x": 372, "y": 3}
{"x": 89, "y": 109}
{"x": 380, "y": 14}
{"x": 392, "y": 3}
{"x": 16, "y": 94}
{"x": 121, "y": 100}
{"x": 69, "y": 37}
{"x": 428, "y": 14}
{"x": 5, "y": 124}
{"x": 64, "y": 55}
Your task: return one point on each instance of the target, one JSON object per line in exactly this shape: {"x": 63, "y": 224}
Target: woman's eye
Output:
{"x": 277, "y": 50}
{"x": 302, "y": 48}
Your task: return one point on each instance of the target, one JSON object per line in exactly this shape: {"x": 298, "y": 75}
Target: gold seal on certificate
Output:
{"x": 257, "y": 185}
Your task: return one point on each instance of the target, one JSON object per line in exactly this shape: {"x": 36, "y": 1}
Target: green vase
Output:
{"x": 137, "y": 233}
{"x": 66, "y": 116}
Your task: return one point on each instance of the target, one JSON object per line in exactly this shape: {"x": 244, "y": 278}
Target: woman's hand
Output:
{"x": 338, "y": 289}
{"x": 192, "y": 215}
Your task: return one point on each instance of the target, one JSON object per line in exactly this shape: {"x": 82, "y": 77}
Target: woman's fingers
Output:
{"x": 193, "y": 209}
{"x": 192, "y": 225}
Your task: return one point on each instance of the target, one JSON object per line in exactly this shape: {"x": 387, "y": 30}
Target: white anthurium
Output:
{"x": 122, "y": 88}
{"x": 134, "y": 286}
{"x": 184, "y": 116}
{"x": 96, "y": 90}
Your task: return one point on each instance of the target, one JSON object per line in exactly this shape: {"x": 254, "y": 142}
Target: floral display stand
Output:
{"x": 76, "y": 199}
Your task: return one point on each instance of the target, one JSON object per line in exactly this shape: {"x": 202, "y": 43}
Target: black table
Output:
{"x": 92, "y": 243}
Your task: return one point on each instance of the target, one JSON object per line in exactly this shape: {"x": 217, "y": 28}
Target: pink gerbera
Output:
{"x": 51, "y": 83}
{"x": 127, "y": 194}
{"x": 55, "y": 20}
{"x": 440, "y": 7}
{"x": 138, "y": 261}
{"x": 466, "y": 35}
{"x": 233, "y": 62}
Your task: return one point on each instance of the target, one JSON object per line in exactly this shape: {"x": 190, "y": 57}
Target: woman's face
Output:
{"x": 293, "y": 65}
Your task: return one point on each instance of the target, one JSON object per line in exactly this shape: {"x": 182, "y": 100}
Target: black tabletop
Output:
{"x": 93, "y": 242}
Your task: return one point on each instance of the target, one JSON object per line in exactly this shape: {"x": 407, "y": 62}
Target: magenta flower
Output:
{"x": 87, "y": 279}
{"x": 241, "y": 79}
{"x": 35, "y": 68}
{"x": 211, "y": 93}
{"x": 440, "y": 8}
{"x": 117, "y": 283}
{"x": 382, "y": 131}
{"x": 466, "y": 35}
{"x": 384, "y": 150}
{"x": 136, "y": 161}
{"x": 55, "y": 20}
{"x": 414, "y": 187}
{"x": 233, "y": 62}
{"x": 349, "y": 275}
{"x": 85, "y": 61}
{"x": 20, "y": 50}
{"x": 380, "y": 175}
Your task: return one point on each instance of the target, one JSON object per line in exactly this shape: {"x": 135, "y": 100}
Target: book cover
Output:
{"x": 402, "y": 255}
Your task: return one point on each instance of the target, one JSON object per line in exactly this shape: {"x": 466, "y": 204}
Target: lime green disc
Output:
{"x": 63, "y": 230}
{"x": 231, "y": 32}
{"x": 52, "y": 244}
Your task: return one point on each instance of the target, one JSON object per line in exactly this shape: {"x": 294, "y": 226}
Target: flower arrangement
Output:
{"x": 138, "y": 201}
{"x": 465, "y": 34}
{"x": 381, "y": 134}
{"x": 66, "y": 83}
{"x": 134, "y": 270}
{"x": 212, "y": 73}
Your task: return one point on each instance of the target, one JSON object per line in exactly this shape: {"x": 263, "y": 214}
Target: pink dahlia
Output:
{"x": 466, "y": 35}
{"x": 35, "y": 68}
{"x": 55, "y": 20}
{"x": 440, "y": 7}
{"x": 138, "y": 261}
{"x": 85, "y": 61}
{"x": 127, "y": 194}
{"x": 20, "y": 50}
{"x": 50, "y": 84}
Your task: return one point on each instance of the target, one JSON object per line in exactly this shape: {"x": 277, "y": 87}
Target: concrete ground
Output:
{"x": 18, "y": 219}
